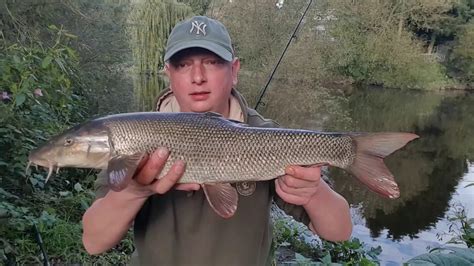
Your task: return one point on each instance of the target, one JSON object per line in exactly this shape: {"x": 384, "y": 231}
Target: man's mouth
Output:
{"x": 200, "y": 95}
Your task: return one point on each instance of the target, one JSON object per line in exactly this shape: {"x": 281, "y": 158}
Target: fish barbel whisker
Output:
{"x": 27, "y": 170}
{"x": 50, "y": 172}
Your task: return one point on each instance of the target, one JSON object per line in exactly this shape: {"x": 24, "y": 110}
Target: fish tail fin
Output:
{"x": 368, "y": 165}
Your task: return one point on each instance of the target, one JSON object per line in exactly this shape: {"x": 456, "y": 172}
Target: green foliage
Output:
{"x": 445, "y": 256}
{"x": 462, "y": 227}
{"x": 260, "y": 20}
{"x": 352, "y": 252}
{"x": 462, "y": 58}
{"x": 58, "y": 225}
{"x": 370, "y": 50}
{"x": 151, "y": 22}
{"x": 41, "y": 95}
{"x": 199, "y": 7}
{"x": 44, "y": 95}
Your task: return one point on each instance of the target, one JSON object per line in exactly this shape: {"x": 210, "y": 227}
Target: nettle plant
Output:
{"x": 40, "y": 94}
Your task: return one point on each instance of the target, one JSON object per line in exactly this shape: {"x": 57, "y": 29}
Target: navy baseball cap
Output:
{"x": 202, "y": 32}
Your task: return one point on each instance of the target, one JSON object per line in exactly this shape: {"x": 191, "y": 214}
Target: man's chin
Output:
{"x": 201, "y": 109}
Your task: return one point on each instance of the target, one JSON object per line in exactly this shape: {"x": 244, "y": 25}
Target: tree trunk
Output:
{"x": 432, "y": 43}
{"x": 400, "y": 26}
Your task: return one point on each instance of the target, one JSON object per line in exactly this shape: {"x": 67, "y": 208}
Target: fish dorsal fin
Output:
{"x": 222, "y": 198}
{"x": 240, "y": 123}
{"x": 121, "y": 169}
{"x": 213, "y": 114}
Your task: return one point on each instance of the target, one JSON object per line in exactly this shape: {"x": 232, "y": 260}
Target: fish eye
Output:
{"x": 68, "y": 142}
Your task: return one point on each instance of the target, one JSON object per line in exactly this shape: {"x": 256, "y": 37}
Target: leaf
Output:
{"x": 64, "y": 193}
{"x": 326, "y": 259}
{"x": 7, "y": 194}
{"x": 300, "y": 258}
{"x": 445, "y": 256}
{"x": 46, "y": 61}
{"x": 78, "y": 187}
{"x": 20, "y": 99}
{"x": 70, "y": 35}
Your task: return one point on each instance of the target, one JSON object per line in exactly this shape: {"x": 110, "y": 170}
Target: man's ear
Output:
{"x": 235, "y": 70}
{"x": 166, "y": 69}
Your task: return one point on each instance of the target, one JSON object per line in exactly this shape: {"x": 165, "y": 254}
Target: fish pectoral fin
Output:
{"x": 222, "y": 198}
{"x": 121, "y": 169}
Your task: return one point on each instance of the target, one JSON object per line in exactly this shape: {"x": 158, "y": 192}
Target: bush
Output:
{"x": 41, "y": 95}
{"x": 351, "y": 252}
{"x": 462, "y": 59}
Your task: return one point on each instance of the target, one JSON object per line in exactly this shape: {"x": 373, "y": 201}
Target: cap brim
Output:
{"x": 211, "y": 46}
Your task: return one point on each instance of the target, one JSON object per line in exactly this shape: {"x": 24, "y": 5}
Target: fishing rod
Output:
{"x": 262, "y": 91}
{"x": 39, "y": 241}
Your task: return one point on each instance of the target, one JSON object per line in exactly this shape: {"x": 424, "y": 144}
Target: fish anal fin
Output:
{"x": 368, "y": 165}
{"x": 222, "y": 198}
{"x": 121, "y": 169}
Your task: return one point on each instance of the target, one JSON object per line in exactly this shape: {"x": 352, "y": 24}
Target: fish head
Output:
{"x": 83, "y": 146}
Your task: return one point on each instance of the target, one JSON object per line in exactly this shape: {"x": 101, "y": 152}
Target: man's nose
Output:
{"x": 199, "y": 75}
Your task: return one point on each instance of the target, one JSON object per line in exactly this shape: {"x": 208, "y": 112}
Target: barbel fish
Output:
{"x": 217, "y": 151}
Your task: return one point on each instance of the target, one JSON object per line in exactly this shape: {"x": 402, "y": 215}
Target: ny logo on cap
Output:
{"x": 199, "y": 27}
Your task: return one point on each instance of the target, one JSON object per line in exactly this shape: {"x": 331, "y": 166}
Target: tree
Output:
{"x": 150, "y": 24}
{"x": 371, "y": 47}
{"x": 462, "y": 58}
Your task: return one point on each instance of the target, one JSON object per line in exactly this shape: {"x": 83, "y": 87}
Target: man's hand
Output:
{"x": 150, "y": 168}
{"x": 299, "y": 184}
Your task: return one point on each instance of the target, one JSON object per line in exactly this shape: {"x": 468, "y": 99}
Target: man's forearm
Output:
{"x": 329, "y": 214}
{"x": 108, "y": 219}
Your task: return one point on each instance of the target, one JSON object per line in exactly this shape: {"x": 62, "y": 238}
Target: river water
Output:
{"x": 432, "y": 172}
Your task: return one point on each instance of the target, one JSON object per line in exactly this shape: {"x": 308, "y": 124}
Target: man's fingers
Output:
{"x": 165, "y": 183}
{"x": 306, "y": 173}
{"x": 188, "y": 187}
{"x": 295, "y": 182}
{"x": 290, "y": 198}
{"x": 143, "y": 161}
{"x": 153, "y": 166}
{"x": 303, "y": 190}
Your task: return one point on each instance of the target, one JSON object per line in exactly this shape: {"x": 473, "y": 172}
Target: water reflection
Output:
{"x": 427, "y": 170}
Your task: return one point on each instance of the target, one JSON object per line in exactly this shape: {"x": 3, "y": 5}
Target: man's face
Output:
{"x": 201, "y": 81}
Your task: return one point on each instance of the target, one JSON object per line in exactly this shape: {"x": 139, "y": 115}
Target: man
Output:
{"x": 173, "y": 224}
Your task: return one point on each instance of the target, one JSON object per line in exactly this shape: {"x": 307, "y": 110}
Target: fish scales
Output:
{"x": 218, "y": 150}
